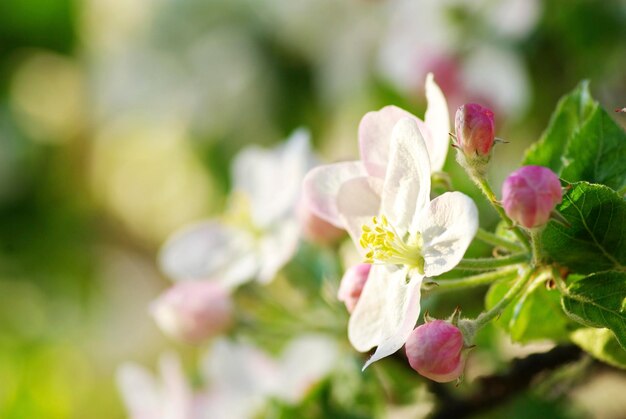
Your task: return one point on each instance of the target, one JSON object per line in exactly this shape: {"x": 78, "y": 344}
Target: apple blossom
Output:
{"x": 475, "y": 131}
{"x": 530, "y": 194}
{"x": 322, "y": 184}
{"x": 259, "y": 233}
{"x": 404, "y": 234}
{"x": 192, "y": 311}
{"x": 314, "y": 228}
{"x": 352, "y": 285}
{"x": 435, "y": 350}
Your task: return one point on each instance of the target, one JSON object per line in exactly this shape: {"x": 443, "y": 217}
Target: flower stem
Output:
{"x": 484, "y": 186}
{"x": 535, "y": 239}
{"x": 483, "y": 264}
{"x": 497, "y": 241}
{"x": 470, "y": 327}
{"x": 476, "y": 280}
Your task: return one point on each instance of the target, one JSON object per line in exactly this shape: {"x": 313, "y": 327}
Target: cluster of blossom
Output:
{"x": 403, "y": 234}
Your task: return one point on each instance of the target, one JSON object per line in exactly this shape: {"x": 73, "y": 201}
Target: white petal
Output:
{"x": 386, "y": 312}
{"x": 140, "y": 391}
{"x": 375, "y": 132}
{"x": 304, "y": 362}
{"x": 321, "y": 187}
{"x": 448, "y": 227}
{"x": 357, "y": 203}
{"x": 209, "y": 249}
{"x": 272, "y": 178}
{"x": 437, "y": 121}
{"x": 276, "y": 249}
{"x": 406, "y": 190}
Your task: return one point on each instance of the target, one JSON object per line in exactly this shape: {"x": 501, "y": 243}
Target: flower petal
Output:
{"x": 375, "y": 137}
{"x": 276, "y": 248}
{"x": 272, "y": 178}
{"x": 209, "y": 249}
{"x": 386, "y": 312}
{"x": 406, "y": 189}
{"x": 321, "y": 187}
{"x": 437, "y": 121}
{"x": 357, "y": 203}
{"x": 448, "y": 227}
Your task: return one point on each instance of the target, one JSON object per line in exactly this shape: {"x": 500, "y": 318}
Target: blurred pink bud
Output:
{"x": 530, "y": 194}
{"x": 475, "y": 130}
{"x": 192, "y": 311}
{"x": 315, "y": 229}
{"x": 352, "y": 285}
{"x": 435, "y": 350}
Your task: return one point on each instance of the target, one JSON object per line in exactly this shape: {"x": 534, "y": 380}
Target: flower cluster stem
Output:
{"x": 470, "y": 327}
{"x": 535, "y": 239}
{"x": 484, "y": 186}
{"x": 476, "y": 280}
{"x": 483, "y": 264}
{"x": 497, "y": 241}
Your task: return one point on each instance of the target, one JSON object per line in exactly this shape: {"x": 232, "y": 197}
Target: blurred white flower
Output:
{"x": 259, "y": 233}
{"x": 148, "y": 397}
{"x": 237, "y": 380}
{"x": 421, "y": 37}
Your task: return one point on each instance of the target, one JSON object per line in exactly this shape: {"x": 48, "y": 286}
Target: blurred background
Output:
{"x": 118, "y": 120}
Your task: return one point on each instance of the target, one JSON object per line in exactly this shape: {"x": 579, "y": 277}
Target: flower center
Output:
{"x": 384, "y": 245}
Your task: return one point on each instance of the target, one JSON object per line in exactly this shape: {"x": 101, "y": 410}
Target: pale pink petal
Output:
{"x": 407, "y": 182}
{"x": 386, "y": 312}
{"x": 321, "y": 187}
{"x": 375, "y": 137}
{"x": 437, "y": 121}
{"x": 357, "y": 202}
{"x": 448, "y": 227}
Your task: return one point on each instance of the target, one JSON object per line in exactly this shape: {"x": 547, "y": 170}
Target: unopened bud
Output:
{"x": 192, "y": 311}
{"x": 352, "y": 285}
{"x": 436, "y": 351}
{"x": 530, "y": 194}
{"x": 315, "y": 229}
{"x": 475, "y": 130}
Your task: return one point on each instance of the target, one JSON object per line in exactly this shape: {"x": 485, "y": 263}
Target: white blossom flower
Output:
{"x": 321, "y": 185}
{"x": 259, "y": 233}
{"x": 237, "y": 380}
{"x": 404, "y": 234}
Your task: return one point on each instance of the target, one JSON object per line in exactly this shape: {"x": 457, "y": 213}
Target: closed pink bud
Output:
{"x": 530, "y": 194}
{"x": 315, "y": 229}
{"x": 192, "y": 311}
{"x": 475, "y": 129}
{"x": 435, "y": 350}
{"x": 352, "y": 285}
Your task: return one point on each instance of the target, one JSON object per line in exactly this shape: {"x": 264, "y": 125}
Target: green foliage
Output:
{"x": 602, "y": 344}
{"x": 597, "y": 152}
{"x": 595, "y": 240}
{"x": 571, "y": 113}
{"x": 536, "y": 315}
{"x": 599, "y": 301}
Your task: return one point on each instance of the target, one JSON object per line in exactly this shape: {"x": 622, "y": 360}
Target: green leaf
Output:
{"x": 571, "y": 113}
{"x": 601, "y": 344}
{"x": 599, "y": 300}
{"x": 596, "y": 239}
{"x": 597, "y": 152}
{"x": 536, "y": 315}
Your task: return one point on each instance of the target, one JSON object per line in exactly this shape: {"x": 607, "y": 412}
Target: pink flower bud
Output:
{"x": 435, "y": 350}
{"x": 352, "y": 285}
{"x": 530, "y": 194}
{"x": 192, "y": 311}
{"x": 475, "y": 130}
{"x": 315, "y": 229}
